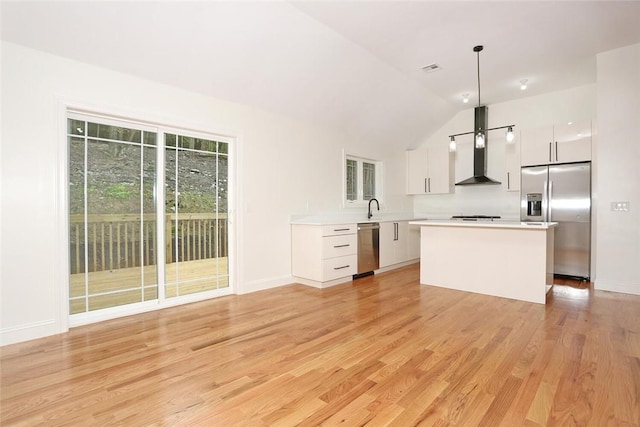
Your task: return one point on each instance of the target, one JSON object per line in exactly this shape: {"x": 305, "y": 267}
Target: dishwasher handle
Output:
{"x": 369, "y": 226}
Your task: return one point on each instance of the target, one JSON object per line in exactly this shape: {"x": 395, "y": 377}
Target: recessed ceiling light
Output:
{"x": 465, "y": 98}
{"x": 523, "y": 84}
{"x": 431, "y": 68}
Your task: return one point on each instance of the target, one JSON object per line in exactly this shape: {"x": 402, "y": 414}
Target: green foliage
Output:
{"x": 196, "y": 202}
{"x": 119, "y": 191}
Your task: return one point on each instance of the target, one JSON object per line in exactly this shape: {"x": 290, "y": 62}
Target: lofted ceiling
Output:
{"x": 352, "y": 66}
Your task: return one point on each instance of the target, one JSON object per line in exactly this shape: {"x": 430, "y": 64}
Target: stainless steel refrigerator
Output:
{"x": 562, "y": 193}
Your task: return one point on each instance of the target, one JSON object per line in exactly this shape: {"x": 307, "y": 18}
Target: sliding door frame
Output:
{"x": 63, "y": 318}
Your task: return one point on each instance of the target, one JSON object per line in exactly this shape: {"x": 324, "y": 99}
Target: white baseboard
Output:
{"x": 399, "y": 265}
{"x": 30, "y": 331}
{"x": 261, "y": 285}
{"x": 322, "y": 285}
{"x": 623, "y": 288}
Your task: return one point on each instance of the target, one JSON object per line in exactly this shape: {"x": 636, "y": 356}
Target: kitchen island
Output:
{"x": 509, "y": 259}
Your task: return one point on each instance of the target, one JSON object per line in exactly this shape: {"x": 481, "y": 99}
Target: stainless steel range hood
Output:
{"x": 480, "y": 124}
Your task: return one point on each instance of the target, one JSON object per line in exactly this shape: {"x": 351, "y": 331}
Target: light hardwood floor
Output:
{"x": 383, "y": 350}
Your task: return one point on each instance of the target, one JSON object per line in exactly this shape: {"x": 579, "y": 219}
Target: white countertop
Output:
{"x": 486, "y": 224}
{"x": 353, "y": 218}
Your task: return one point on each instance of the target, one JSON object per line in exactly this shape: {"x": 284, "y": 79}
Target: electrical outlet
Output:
{"x": 620, "y": 206}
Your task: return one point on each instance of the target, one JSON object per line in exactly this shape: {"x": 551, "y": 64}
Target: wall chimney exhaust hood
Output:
{"x": 481, "y": 119}
{"x": 480, "y": 129}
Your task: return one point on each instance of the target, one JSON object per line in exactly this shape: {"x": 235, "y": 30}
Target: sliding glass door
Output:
{"x": 114, "y": 238}
{"x": 196, "y": 220}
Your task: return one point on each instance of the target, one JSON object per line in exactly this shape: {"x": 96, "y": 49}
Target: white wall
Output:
{"x": 285, "y": 167}
{"x": 618, "y": 172}
{"x": 557, "y": 107}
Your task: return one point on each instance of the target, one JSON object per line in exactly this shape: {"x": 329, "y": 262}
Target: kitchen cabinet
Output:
{"x": 324, "y": 255}
{"x": 430, "y": 171}
{"x": 561, "y": 143}
{"x": 413, "y": 240}
{"x": 399, "y": 243}
{"x": 512, "y": 160}
{"x": 573, "y": 142}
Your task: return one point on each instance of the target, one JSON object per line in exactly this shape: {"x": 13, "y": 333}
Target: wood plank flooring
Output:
{"x": 382, "y": 350}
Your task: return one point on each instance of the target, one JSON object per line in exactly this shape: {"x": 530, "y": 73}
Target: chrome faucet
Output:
{"x": 369, "y": 214}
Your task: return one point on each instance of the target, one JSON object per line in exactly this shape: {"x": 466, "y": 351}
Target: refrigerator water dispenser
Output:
{"x": 534, "y": 204}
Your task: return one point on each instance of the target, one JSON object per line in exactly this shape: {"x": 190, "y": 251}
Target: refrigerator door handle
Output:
{"x": 549, "y": 198}
{"x": 545, "y": 201}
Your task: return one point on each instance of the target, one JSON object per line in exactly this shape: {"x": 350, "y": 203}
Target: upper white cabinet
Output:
{"x": 512, "y": 159}
{"x": 561, "y": 143}
{"x": 572, "y": 142}
{"x": 430, "y": 171}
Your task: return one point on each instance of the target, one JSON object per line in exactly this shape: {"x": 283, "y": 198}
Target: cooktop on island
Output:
{"x": 476, "y": 217}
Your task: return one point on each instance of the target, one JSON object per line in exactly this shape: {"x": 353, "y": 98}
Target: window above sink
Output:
{"x": 362, "y": 180}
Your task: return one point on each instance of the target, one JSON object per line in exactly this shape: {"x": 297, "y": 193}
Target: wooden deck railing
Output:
{"x": 115, "y": 240}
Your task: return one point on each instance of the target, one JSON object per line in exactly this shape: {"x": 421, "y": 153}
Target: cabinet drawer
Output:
{"x": 335, "y": 268}
{"x": 338, "y": 229}
{"x": 335, "y": 246}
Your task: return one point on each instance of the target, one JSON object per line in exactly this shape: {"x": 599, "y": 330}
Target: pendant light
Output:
{"x": 452, "y": 144}
{"x": 480, "y": 134}
{"x": 510, "y": 136}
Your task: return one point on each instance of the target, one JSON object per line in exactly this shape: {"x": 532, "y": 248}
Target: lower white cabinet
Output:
{"x": 399, "y": 242}
{"x": 324, "y": 254}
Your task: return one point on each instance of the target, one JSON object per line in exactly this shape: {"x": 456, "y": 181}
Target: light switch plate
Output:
{"x": 620, "y": 206}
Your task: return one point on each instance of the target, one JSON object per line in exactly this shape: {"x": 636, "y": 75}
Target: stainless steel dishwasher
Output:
{"x": 368, "y": 248}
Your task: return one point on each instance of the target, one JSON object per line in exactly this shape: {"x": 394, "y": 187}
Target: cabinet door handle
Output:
{"x": 425, "y": 186}
{"x": 556, "y": 151}
{"x": 340, "y": 229}
{"x": 549, "y": 151}
{"x": 508, "y": 181}
{"x": 429, "y": 185}
{"x": 340, "y": 268}
{"x": 341, "y": 246}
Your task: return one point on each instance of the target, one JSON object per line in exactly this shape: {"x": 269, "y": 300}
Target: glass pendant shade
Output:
{"x": 480, "y": 140}
{"x": 452, "y": 145}
{"x": 510, "y": 136}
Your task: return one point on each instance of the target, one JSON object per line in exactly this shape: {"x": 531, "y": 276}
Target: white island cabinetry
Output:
{"x": 324, "y": 255}
{"x": 504, "y": 259}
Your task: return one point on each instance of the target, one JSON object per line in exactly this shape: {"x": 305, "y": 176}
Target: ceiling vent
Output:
{"x": 432, "y": 68}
